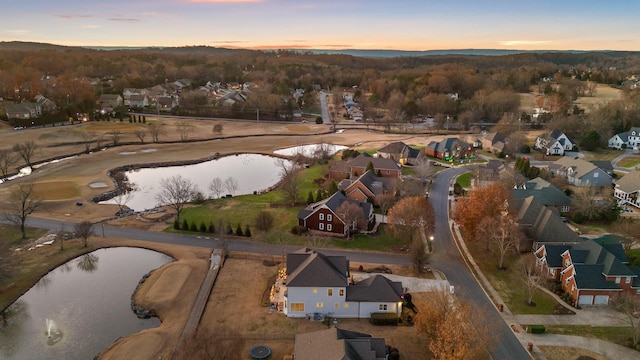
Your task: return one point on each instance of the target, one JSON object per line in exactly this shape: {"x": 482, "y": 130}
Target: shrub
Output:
{"x": 176, "y": 225}
{"x": 198, "y": 198}
{"x": 319, "y": 120}
{"x": 536, "y": 329}
{"x": 193, "y": 227}
{"x": 577, "y": 218}
{"x": 203, "y": 227}
{"x": 185, "y": 224}
{"x": 247, "y": 231}
{"x": 383, "y": 319}
{"x": 239, "y": 230}
{"x": 229, "y": 230}
{"x": 212, "y": 228}
{"x": 298, "y": 230}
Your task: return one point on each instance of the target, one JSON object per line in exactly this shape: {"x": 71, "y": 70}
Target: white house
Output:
{"x": 554, "y": 143}
{"x": 618, "y": 141}
{"x": 627, "y": 189}
{"x": 317, "y": 285}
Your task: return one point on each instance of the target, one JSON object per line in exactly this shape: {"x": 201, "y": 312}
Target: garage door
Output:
{"x": 601, "y": 300}
{"x": 585, "y": 300}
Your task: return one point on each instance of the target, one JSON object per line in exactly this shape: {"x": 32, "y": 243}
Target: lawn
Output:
{"x": 464, "y": 180}
{"x": 614, "y": 334}
{"x": 629, "y": 161}
{"x": 378, "y": 242}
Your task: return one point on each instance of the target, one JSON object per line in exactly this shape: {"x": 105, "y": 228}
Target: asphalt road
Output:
{"x": 447, "y": 259}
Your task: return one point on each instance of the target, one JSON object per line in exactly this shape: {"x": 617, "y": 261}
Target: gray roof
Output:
{"x": 375, "y": 289}
{"x": 544, "y": 224}
{"x": 363, "y": 160}
{"x": 308, "y": 268}
{"x": 590, "y": 277}
{"x": 543, "y": 191}
{"x": 399, "y": 147}
{"x": 597, "y": 254}
{"x": 333, "y": 202}
{"x": 604, "y": 165}
{"x": 580, "y": 167}
{"x": 630, "y": 182}
{"x": 339, "y": 344}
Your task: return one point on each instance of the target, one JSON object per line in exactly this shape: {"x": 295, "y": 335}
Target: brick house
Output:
{"x": 358, "y": 166}
{"x": 450, "y": 149}
{"x": 324, "y": 217}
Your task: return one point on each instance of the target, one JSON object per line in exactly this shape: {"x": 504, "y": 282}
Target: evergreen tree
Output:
{"x": 229, "y": 229}
{"x": 247, "y": 231}
{"x": 212, "y": 228}
{"x": 239, "y": 230}
{"x": 310, "y": 197}
{"x": 203, "y": 227}
{"x": 333, "y": 187}
{"x": 176, "y": 225}
{"x": 193, "y": 227}
{"x": 185, "y": 224}
{"x": 319, "y": 195}
{"x": 370, "y": 166}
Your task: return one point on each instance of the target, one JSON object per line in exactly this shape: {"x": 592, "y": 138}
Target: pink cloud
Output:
{"x": 72, "y": 16}
{"x": 225, "y": 1}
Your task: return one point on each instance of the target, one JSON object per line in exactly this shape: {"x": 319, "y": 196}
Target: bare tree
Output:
{"x": 322, "y": 151}
{"x": 184, "y": 128}
{"x": 88, "y": 263}
{"x": 84, "y": 230}
{"x": 291, "y": 185}
{"x": 26, "y": 150}
{"x": 532, "y": 276}
{"x": 630, "y": 230}
{"x": 124, "y": 197}
{"x": 386, "y": 201}
{"x": 352, "y": 215}
{"x": 176, "y": 192}
{"x": 629, "y": 305}
{"x": 216, "y": 186}
{"x": 502, "y": 232}
{"x": 423, "y": 169}
{"x": 155, "y": 130}
{"x": 8, "y": 158}
{"x": 231, "y": 184}
{"x": 141, "y": 134}
{"x": 217, "y": 129}
{"x": 418, "y": 254}
{"x": 87, "y": 140}
{"x": 22, "y": 203}
{"x": 115, "y": 137}
{"x": 264, "y": 221}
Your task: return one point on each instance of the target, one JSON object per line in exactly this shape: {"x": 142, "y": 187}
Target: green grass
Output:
{"x": 614, "y": 334}
{"x": 464, "y": 180}
{"x": 629, "y": 161}
{"x": 379, "y": 242}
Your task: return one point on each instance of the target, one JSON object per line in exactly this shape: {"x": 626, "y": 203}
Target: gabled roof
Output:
{"x": 496, "y": 137}
{"x": 591, "y": 277}
{"x": 378, "y": 163}
{"x": 375, "y": 289}
{"x": 374, "y": 184}
{"x": 554, "y": 254}
{"x": 597, "y": 254}
{"x": 630, "y": 182}
{"x": 399, "y": 147}
{"x": 338, "y": 344}
{"x": 333, "y": 203}
{"x": 543, "y": 191}
{"x": 545, "y": 224}
{"x": 604, "y": 165}
{"x": 635, "y": 129}
{"x": 308, "y": 268}
{"x": 580, "y": 167}
{"x": 448, "y": 144}
{"x": 624, "y": 136}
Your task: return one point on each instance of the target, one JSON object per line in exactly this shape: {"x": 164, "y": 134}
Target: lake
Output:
{"x": 86, "y": 303}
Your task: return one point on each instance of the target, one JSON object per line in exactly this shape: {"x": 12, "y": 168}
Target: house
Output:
{"x": 338, "y": 344}
{"x": 323, "y": 216}
{"x": 627, "y": 189}
{"x": 626, "y": 140}
{"x": 46, "y": 106}
{"x": 593, "y": 272}
{"x": 166, "y": 103}
{"x": 400, "y": 152}
{"x": 580, "y": 172}
{"x": 494, "y": 142}
{"x": 319, "y": 285}
{"x": 496, "y": 170}
{"x": 604, "y": 165}
{"x": 23, "y": 110}
{"x": 450, "y": 149}
{"x": 138, "y": 101}
{"x": 554, "y": 143}
{"x": 619, "y": 141}
{"x": 358, "y": 165}
{"x": 541, "y": 224}
{"x": 110, "y": 101}
{"x": 367, "y": 187}
{"x": 545, "y": 192}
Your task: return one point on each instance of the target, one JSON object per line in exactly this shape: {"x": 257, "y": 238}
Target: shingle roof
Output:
{"x": 338, "y": 344}
{"x": 543, "y": 191}
{"x": 308, "y": 268}
{"x": 580, "y": 167}
{"x": 554, "y": 254}
{"x": 630, "y": 182}
{"x": 590, "y": 277}
{"x": 375, "y": 289}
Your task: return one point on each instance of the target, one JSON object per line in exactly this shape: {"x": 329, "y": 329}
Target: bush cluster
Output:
{"x": 211, "y": 229}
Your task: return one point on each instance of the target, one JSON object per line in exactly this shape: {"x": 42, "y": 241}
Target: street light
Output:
{"x": 430, "y": 241}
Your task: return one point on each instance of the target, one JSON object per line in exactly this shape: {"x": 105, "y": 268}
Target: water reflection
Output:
{"x": 253, "y": 173}
{"x": 311, "y": 150}
{"x": 89, "y": 305}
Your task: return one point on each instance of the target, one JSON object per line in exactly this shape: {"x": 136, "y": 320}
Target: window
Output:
{"x": 595, "y": 175}
{"x": 329, "y": 217}
{"x": 346, "y": 305}
{"x": 337, "y": 305}
{"x": 617, "y": 279}
{"x": 341, "y": 292}
{"x": 330, "y": 292}
{"x": 329, "y": 227}
{"x": 321, "y": 216}
{"x": 565, "y": 209}
{"x": 315, "y": 290}
{"x": 321, "y": 226}
{"x": 382, "y": 307}
{"x": 297, "y": 306}
{"x": 319, "y": 305}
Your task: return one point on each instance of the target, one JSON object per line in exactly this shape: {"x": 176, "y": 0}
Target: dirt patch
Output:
{"x": 169, "y": 282}
{"x": 568, "y": 353}
{"x": 56, "y": 190}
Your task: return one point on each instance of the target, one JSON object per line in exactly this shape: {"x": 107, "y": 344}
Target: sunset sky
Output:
{"x": 328, "y": 24}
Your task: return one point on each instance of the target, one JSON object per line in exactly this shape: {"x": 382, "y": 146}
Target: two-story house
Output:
{"x": 450, "y": 149}
{"x": 554, "y": 143}
{"x": 319, "y": 285}
{"x": 494, "y": 142}
{"x": 23, "y": 110}
{"x": 324, "y": 216}
{"x": 627, "y": 189}
{"x": 545, "y": 192}
{"x": 400, "y": 152}
{"x": 592, "y": 273}
{"x": 628, "y": 139}
{"x": 580, "y": 172}
{"x": 367, "y": 187}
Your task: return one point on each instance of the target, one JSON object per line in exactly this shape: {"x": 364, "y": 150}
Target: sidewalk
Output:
{"x": 591, "y": 316}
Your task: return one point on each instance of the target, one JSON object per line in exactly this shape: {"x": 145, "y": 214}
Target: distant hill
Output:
{"x": 29, "y": 46}
{"x": 403, "y": 53}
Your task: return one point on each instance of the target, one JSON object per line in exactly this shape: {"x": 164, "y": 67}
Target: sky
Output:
{"x": 328, "y": 24}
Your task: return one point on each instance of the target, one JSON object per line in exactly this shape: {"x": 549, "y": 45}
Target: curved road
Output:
{"x": 446, "y": 258}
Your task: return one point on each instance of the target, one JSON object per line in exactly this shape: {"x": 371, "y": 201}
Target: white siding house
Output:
{"x": 554, "y": 143}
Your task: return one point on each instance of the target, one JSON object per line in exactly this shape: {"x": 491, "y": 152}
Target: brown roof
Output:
{"x": 630, "y": 182}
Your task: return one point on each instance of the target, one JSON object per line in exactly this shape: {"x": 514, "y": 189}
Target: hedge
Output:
{"x": 536, "y": 329}
{"x": 383, "y": 319}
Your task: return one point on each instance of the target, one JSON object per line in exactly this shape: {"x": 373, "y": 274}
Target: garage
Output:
{"x": 601, "y": 300}
{"x": 585, "y": 300}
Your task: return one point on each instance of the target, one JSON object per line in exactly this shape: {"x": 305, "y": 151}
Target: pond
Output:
{"x": 253, "y": 172}
{"x": 80, "y": 308}
{"x": 310, "y": 150}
